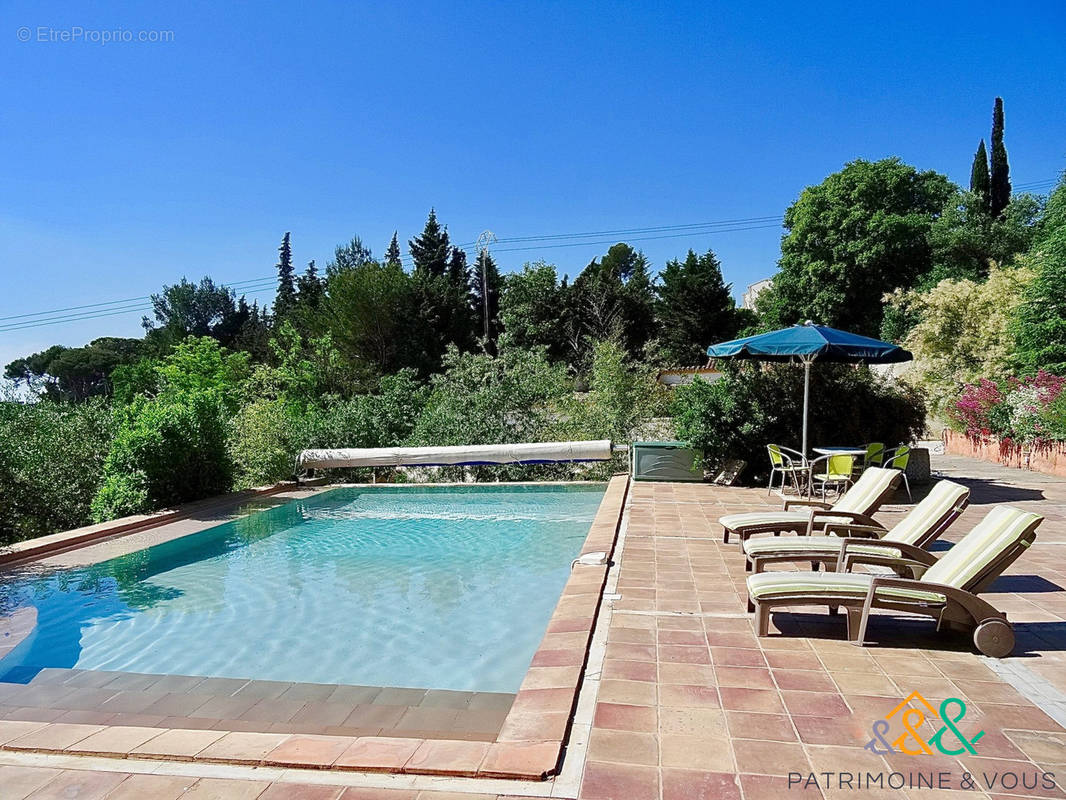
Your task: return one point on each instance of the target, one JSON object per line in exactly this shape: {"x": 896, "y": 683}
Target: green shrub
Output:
{"x": 51, "y": 456}
{"x": 622, "y": 397}
{"x": 167, "y": 450}
{"x": 385, "y": 418}
{"x": 265, "y": 437}
{"x": 481, "y": 399}
{"x": 753, "y": 405}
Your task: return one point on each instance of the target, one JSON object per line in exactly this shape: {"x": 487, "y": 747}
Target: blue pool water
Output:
{"x": 435, "y": 587}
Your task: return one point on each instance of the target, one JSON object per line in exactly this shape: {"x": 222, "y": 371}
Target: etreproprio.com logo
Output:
{"x": 75, "y": 34}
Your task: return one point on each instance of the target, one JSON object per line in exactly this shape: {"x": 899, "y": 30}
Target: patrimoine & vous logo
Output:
{"x": 916, "y": 728}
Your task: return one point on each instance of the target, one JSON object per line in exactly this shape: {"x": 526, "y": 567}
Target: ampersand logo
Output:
{"x": 903, "y": 727}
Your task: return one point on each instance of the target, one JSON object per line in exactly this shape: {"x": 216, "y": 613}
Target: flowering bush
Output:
{"x": 1028, "y": 410}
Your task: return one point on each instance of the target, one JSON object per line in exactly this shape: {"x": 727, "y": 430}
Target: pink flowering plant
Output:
{"x": 1030, "y": 410}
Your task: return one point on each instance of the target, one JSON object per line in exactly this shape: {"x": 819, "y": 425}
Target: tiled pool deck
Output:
{"x": 680, "y": 698}
{"x": 693, "y": 704}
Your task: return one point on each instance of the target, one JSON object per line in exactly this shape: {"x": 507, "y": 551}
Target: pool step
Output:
{"x": 102, "y": 697}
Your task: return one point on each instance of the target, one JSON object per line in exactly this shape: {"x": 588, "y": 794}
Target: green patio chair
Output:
{"x": 898, "y": 459}
{"x": 789, "y": 464}
{"x": 946, "y": 589}
{"x": 839, "y": 472}
{"x": 875, "y": 455}
{"x": 921, "y": 526}
{"x": 856, "y": 505}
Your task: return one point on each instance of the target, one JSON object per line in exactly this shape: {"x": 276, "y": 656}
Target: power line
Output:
{"x": 468, "y": 248}
{"x": 635, "y": 238}
{"x": 623, "y": 231}
{"x": 235, "y": 285}
{"x": 1033, "y": 185}
{"x": 89, "y": 315}
{"x": 254, "y": 286}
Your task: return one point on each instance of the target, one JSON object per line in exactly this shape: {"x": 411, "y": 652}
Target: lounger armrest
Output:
{"x": 848, "y": 530}
{"x": 854, "y": 516}
{"x": 810, "y": 503}
{"x": 971, "y": 603}
{"x": 910, "y": 556}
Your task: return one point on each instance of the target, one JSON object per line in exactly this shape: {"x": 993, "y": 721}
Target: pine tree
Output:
{"x": 392, "y": 255}
{"x": 286, "y": 295}
{"x": 349, "y": 256}
{"x": 430, "y": 250}
{"x": 999, "y": 180}
{"x": 612, "y": 298}
{"x": 694, "y": 309}
{"x": 979, "y": 179}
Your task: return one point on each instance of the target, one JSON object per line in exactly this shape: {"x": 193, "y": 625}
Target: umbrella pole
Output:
{"x": 806, "y": 400}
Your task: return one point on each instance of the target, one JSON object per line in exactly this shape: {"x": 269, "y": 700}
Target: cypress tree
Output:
{"x": 979, "y": 180}
{"x": 431, "y": 249}
{"x": 286, "y": 296}
{"x": 458, "y": 271}
{"x": 457, "y": 302}
{"x": 999, "y": 180}
{"x": 486, "y": 276}
{"x": 392, "y": 255}
{"x": 309, "y": 286}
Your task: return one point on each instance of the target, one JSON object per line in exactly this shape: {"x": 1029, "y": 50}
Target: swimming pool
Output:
{"x": 446, "y": 587}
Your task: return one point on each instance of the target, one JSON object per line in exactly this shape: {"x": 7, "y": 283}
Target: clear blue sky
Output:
{"x": 129, "y": 165}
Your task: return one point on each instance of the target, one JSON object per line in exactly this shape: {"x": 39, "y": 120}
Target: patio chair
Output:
{"x": 856, "y": 505}
{"x": 898, "y": 459}
{"x": 839, "y": 472}
{"x": 922, "y": 525}
{"x": 946, "y": 589}
{"x": 787, "y": 463}
{"x": 875, "y": 455}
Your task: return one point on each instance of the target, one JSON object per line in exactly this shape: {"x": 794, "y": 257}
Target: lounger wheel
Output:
{"x": 994, "y": 638}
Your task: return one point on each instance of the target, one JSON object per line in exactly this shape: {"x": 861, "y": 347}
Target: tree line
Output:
{"x": 381, "y": 317}
{"x": 430, "y": 348}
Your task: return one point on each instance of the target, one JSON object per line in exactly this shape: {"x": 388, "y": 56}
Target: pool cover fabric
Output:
{"x": 470, "y": 455}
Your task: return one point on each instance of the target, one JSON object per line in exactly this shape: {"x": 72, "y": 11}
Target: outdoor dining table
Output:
{"x": 840, "y": 451}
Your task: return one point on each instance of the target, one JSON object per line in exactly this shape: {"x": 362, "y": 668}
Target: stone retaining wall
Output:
{"x": 1050, "y": 460}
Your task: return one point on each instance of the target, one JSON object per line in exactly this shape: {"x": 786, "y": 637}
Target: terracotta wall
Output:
{"x": 1050, "y": 460}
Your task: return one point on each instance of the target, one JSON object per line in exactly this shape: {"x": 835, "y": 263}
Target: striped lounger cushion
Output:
{"x": 813, "y": 545}
{"x": 871, "y": 485}
{"x": 827, "y": 585}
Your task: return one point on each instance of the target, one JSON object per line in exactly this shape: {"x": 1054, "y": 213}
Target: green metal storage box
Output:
{"x": 663, "y": 461}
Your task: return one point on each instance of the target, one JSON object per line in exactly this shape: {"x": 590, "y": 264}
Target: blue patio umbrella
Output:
{"x": 807, "y": 343}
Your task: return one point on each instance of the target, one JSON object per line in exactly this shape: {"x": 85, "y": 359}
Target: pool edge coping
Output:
{"x": 41, "y": 547}
{"x": 530, "y": 745}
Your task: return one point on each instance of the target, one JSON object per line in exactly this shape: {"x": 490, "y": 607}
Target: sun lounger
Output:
{"x": 855, "y": 506}
{"x": 922, "y": 525}
{"x": 947, "y": 589}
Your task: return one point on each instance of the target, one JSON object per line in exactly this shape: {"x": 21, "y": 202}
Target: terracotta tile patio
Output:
{"x": 693, "y": 704}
